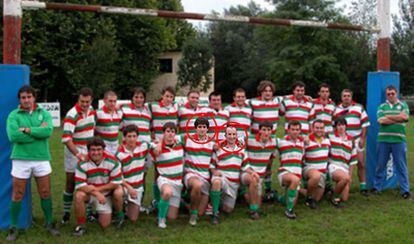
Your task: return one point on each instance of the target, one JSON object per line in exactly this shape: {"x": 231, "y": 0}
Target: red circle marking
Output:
{"x": 236, "y": 125}
{"x": 197, "y": 116}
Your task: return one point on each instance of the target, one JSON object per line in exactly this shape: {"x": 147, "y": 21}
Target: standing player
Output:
{"x": 168, "y": 158}
{"x": 226, "y": 168}
{"x": 97, "y": 182}
{"x": 216, "y": 111}
{"x": 78, "y": 129}
{"x": 357, "y": 124}
{"x": 342, "y": 159}
{"x": 316, "y": 163}
{"x": 29, "y": 128}
{"x": 108, "y": 120}
{"x": 240, "y": 112}
{"x": 137, "y": 113}
{"x": 324, "y": 108}
{"x": 198, "y": 151}
{"x": 297, "y": 107}
{"x": 188, "y": 111}
{"x": 291, "y": 153}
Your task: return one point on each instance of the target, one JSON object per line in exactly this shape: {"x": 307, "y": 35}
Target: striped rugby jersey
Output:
{"x": 90, "y": 173}
{"x": 133, "y": 163}
{"x": 295, "y": 110}
{"x": 392, "y": 133}
{"x": 162, "y": 114}
{"x": 264, "y": 111}
{"x": 79, "y": 127}
{"x": 323, "y": 112}
{"x": 108, "y": 125}
{"x": 186, "y": 113}
{"x": 355, "y": 116}
{"x": 291, "y": 154}
{"x": 317, "y": 154}
{"x": 343, "y": 151}
{"x": 260, "y": 154}
{"x": 222, "y": 117}
{"x": 170, "y": 162}
{"x": 141, "y": 117}
{"x": 241, "y": 115}
{"x": 197, "y": 156}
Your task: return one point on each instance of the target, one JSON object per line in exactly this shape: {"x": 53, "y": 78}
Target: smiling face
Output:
{"x": 27, "y": 100}
{"x": 131, "y": 139}
{"x": 267, "y": 93}
{"x": 84, "y": 102}
{"x": 193, "y": 99}
{"x": 265, "y": 133}
{"x": 299, "y": 92}
{"x": 169, "y": 135}
{"x": 231, "y": 135}
{"x": 96, "y": 153}
{"x": 318, "y": 129}
{"x": 346, "y": 98}
{"x": 110, "y": 102}
{"x": 391, "y": 95}
{"x": 167, "y": 98}
{"x": 294, "y": 131}
{"x": 341, "y": 129}
{"x": 324, "y": 93}
{"x": 215, "y": 102}
{"x": 138, "y": 100}
{"x": 240, "y": 98}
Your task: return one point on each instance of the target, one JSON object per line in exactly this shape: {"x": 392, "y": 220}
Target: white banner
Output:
{"x": 54, "y": 110}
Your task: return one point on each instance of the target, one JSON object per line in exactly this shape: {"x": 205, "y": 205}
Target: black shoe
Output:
{"x": 51, "y": 228}
{"x": 375, "y": 192}
{"x": 65, "y": 218}
{"x": 13, "y": 234}
{"x": 254, "y": 215}
{"x": 80, "y": 230}
{"x": 290, "y": 214}
{"x": 310, "y": 202}
{"x": 119, "y": 222}
{"x": 364, "y": 192}
{"x": 406, "y": 195}
{"x": 215, "y": 219}
{"x": 270, "y": 196}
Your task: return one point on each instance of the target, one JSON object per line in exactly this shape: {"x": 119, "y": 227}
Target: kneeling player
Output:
{"x": 316, "y": 163}
{"x": 226, "y": 165}
{"x": 132, "y": 155}
{"x": 95, "y": 180}
{"x": 198, "y": 151}
{"x": 342, "y": 159}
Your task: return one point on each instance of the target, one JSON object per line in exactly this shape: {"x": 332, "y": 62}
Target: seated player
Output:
{"x": 198, "y": 152}
{"x": 168, "y": 155}
{"x": 316, "y": 163}
{"x": 132, "y": 155}
{"x": 291, "y": 152}
{"x": 260, "y": 150}
{"x": 342, "y": 159}
{"x": 95, "y": 181}
{"x": 225, "y": 168}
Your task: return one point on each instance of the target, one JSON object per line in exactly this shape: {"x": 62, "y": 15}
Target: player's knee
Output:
{"x": 294, "y": 183}
{"x": 18, "y": 194}
{"x": 80, "y": 197}
{"x": 216, "y": 184}
{"x": 104, "y": 223}
{"x": 197, "y": 186}
{"x": 166, "y": 193}
{"x": 44, "y": 193}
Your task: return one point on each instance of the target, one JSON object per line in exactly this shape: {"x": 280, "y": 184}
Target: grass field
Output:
{"x": 383, "y": 218}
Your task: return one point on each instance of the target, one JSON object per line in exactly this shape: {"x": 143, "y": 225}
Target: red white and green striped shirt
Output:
{"x": 79, "y": 127}
{"x": 242, "y": 116}
{"x": 323, "y": 112}
{"x": 291, "y": 154}
{"x": 133, "y": 163}
{"x": 90, "y": 173}
{"x": 317, "y": 154}
{"x": 197, "y": 156}
{"x": 222, "y": 117}
{"x": 107, "y": 125}
{"x": 264, "y": 111}
{"x": 170, "y": 162}
{"x": 162, "y": 114}
{"x": 229, "y": 162}
{"x": 186, "y": 113}
{"x": 141, "y": 117}
{"x": 343, "y": 151}
{"x": 355, "y": 116}
{"x": 260, "y": 154}
{"x": 295, "y": 110}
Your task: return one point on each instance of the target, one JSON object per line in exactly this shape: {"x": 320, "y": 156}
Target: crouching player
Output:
{"x": 316, "y": 163}
{"x": 198, "y": 152}
{"x": 226, "y": 164}
{"x": 260, "y": 153}
{"x": 132, "y": 155}
{"x": 342, "y": 159}
{"x": 291, "y": 153}
{"x": 168, "y": 155}
{"x": 97, "y": 181}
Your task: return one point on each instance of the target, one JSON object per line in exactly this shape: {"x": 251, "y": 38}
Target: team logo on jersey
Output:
{"x": 40, "y": 117}
{"x": 398, "y": 107}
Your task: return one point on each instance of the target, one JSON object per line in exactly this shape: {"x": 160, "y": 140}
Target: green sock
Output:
{"x": 67, "y": 201}
{"x": 291, "y": 197}
{"x": 362, "y": 186}
{"x": 254, "y": 207}
{"x": 268, "y": 183}
{"x": 120, "y": 214}
{"x": 15, "y": 207}
{"x": 163, "y": 208}
{"x": 156, "y": 192}
{"x": 215, "y": 200}
{"x": 337, "y": 196}
{"x": 46, "y": 205}
{"x": 282, "y": 199}
{"x": 194, "y": 212}
{"x": 88, "y": 209}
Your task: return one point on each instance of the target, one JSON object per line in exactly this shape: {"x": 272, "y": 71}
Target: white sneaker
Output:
{"x": 193, "y": 220}
{"x": 162, "y": 223}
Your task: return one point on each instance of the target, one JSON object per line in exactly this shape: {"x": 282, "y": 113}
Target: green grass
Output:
{"x": 385, "y": 218}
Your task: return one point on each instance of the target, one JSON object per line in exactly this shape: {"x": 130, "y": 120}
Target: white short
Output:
{"x": 23, "y": 169}
{"x": 176, "y": 186}
{"x": 229, "y": 191}
{"x": 205, "y": 188}
{"x": 280, "y": 179}
{"x": 322, "y": 181}
{"x": 332, "y": 168}
{"x": 71, "y": 160}
{"x": 138, "y": 199}
{"x": 260, "y": 186}
{"x": 102, "y": 208}
{"x": 111, "y": 147}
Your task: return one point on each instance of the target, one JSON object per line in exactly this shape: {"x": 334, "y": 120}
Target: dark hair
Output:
{"x": 85, "y": 92}
{"x": 347, "y": 91}
{"x": 294, "y": 123}
{"x": 169, "y": 89}
{"x": 262, "y": 86}
{"x": 214, "y": 93}
{"x": 340, "y": 121}
{"x": 324, "y": 85}
{"x": 95, "y": 142}
{"x": 265, "y": 123}
{"x": 317, "y": 121}
{"x": 110, "y": 93}
{"x": 170, "y": 125}
{"x": 129, "y": 129}
{"x": 238, "y": 90}
{"x": 193, "y": 91}
{"x": 26, "y": 89}
{"x": 201, "y": 121}
{"x": 391, "y": 88}
{"x": 138, "y": 90}
{"x": 298, "y": 84}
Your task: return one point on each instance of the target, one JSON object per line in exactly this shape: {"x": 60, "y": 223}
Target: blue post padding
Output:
{"x": 377, "y": 82}
{"x": 12, "y": 77}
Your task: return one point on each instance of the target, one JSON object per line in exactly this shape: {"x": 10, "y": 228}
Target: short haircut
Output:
{"x": 263, "y": 84}
{"x": 340, "y": 121}
{"x": 294, "y": 123}
{"x": 238, "y": 90}
{"x": 214, "y": 93}
{"x": 138, "y": 90}
{"x": 85, "y": 92}
{"x": 110, "y": 93}
{"x": 129, "y": 129}
{"x": 26, "y": 89}
{"x": 265, "y": 123}
{"x": 391, "y": 88}
{"x": 317, "y": 121}
{"x": 324, "y": 85}
{"x": 193, "y": 91}
{"x": 169, "y": 125}
{"x": 201, "y": 121}
{"x": 298, "y": 84}
{"x": 169, "y": 89}
{"x": 346, "y": 90}
{"x": 95, "y": 142}
{"x": 230, "y": 127}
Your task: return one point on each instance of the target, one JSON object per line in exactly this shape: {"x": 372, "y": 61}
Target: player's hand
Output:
{"x": 255, "y": 176}
{"x": 158, "y": 148}
{"x": 101, "y": 198}
{"x": 133, "y": 193}
{"x": 81, "y": 157}
{"x": 306, "y": 140}
{"x": 44, "y": 124}
{"x": 361, "y": 143}
{"x": 218, "y": 174}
